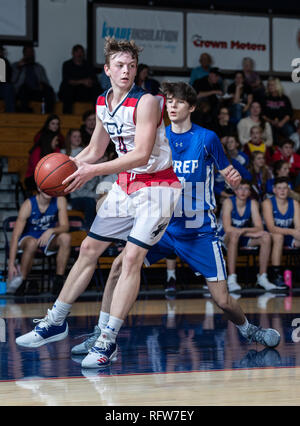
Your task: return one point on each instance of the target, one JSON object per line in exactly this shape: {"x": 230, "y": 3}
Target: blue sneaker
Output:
{"x": 102, "y": 354}
{"x": 43, "y": 333}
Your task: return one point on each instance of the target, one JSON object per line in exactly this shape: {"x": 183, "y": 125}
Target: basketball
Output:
{"x": 51, "y": 171}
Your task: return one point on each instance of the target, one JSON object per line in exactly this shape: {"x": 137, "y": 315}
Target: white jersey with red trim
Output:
{"x": 120, "y": 125}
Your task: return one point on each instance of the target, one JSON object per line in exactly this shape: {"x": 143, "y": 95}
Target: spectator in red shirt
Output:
{"x": 286, "y": 152}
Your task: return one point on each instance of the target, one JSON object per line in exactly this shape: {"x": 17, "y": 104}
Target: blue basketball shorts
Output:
{"x": 202, "y": 252}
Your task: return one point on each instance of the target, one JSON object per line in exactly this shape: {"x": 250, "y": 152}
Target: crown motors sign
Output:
{"x": 228, "y": 39}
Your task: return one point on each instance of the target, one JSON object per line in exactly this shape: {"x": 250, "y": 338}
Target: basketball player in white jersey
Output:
{"x": 137, "y": 209}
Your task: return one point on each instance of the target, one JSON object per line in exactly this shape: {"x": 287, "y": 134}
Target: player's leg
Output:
{"x": 264, "y": 243}
{"x": 62, "y": 244}
{"x": 268, "y": 337}
{"x": 161, "y": 250}
{"x": 54, "y": 326}
{"x": 29, "y": 246}
{"x": 232, "y": 242}
{"x": 212, "y": 266}
{"x": 170, "y": 286}
{"x": 278, "y": 243}
{"x": 114, "y": 274}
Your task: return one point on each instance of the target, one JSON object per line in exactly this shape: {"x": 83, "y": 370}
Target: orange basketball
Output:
{"x": 51, "y": 171}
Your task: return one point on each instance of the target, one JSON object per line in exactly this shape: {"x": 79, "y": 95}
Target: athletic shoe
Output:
{"x": 43, "y": 333}
{"x": 84, "y": 347}
{"x": 279, "y": 282}
{"x": 170, "y": 289}
{"x": 262, "y": 281}
{"x": 232, "y": 283}
{"x": 14, "y": 284}
{"x": 265, "y": 336}
{"x": 102, "y": 354}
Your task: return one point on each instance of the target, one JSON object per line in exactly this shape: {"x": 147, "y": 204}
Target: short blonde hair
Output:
{"x": 113, "y": 46}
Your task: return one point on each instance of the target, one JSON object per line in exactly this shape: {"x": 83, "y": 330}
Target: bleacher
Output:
{"x": 17, "y": 131}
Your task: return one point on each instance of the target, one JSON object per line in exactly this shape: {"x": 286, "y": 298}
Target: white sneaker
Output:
{"x": 262, "y": 281}
{"x": 102, "y": 354}
{"x": 232, "y": 283}
{"x": 14, "y": 284}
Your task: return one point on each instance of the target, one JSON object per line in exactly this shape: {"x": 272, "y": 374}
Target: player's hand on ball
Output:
{"x": 232, "y": 177}
{"x": 83, "y": 174}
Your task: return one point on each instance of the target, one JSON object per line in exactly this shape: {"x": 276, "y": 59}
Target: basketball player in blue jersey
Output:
{"x": 282, "y": 218}
{"x": 243, "y": 227}
{"x": 191, "y": 233}
{"x": 42, "y": 222}
{"x": 138, "y": 208}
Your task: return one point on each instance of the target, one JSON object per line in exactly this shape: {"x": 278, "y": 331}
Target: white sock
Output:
{"x": 171, "y": 273}
{"x": 59, "y": 312}
{"x": 243, "y": 327}
{"x": 103, "y": 320}
{"x": 113, "y": 327}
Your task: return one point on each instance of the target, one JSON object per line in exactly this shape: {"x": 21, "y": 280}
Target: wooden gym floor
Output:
{"x": 171, "y": 353}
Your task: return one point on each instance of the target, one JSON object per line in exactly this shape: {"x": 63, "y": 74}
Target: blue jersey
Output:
{"x": 39, "y": 222}
{"x": 283, "y": 220}
{"x": 195, "y": 155}
{"x": 241, "y": 221}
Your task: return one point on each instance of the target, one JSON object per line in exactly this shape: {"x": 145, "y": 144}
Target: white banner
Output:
{"x": 286, "y": 43}
{"x": 160, "y": 33}
{"x": 13, "y": 18}
{"x": 228, "y": 39}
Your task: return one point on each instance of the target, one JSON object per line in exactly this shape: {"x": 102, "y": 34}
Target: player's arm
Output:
{"x": 297, "y": 217}
{"x": 257, "y": 229}
{"x": 230, "y": 174}
{"x": 23, "y": 215}
{"x": 226, "y": 216}
{"x": 267, "y": 209}
{"x": 147, "y": 119}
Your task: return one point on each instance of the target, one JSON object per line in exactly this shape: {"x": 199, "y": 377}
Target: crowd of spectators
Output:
{"x": 254, "y": 122}
{"x": 253, "y": 119}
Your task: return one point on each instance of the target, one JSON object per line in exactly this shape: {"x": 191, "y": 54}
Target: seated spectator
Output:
{"x": 278, "y": 110}
{"x": 205, "y": 61}
{"x": 295, "y": 137}
{"x": 257, "y": 144}
{"x": 243, "y": 228}
{"x": 46, "y": 144}
{"x": 241, "y": 97}
{"x": 7, "y": 92}
{"x": 232, "y": 148}
{"x": 255, "y": 119}
{"x": 221, "y": 189}
{"x": 223, "y": 127}
{"x": 281, "y": 169}
{"x": 286, "y": 152}
{"x": 260, "y": 173}
{"x": 31, "y": 82}
{"x": 142, "y": 80}
{"x": 88, "y": 126}
{"x": 208, "y": 89}
{"x": 282, "y": 218}
{"x": 253, "y": 79}
{"x": 42, "y": 223}
{"x": 51, "y": 127}
{"x": 79, "y": 81}
{"x": 84, "y": 198}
